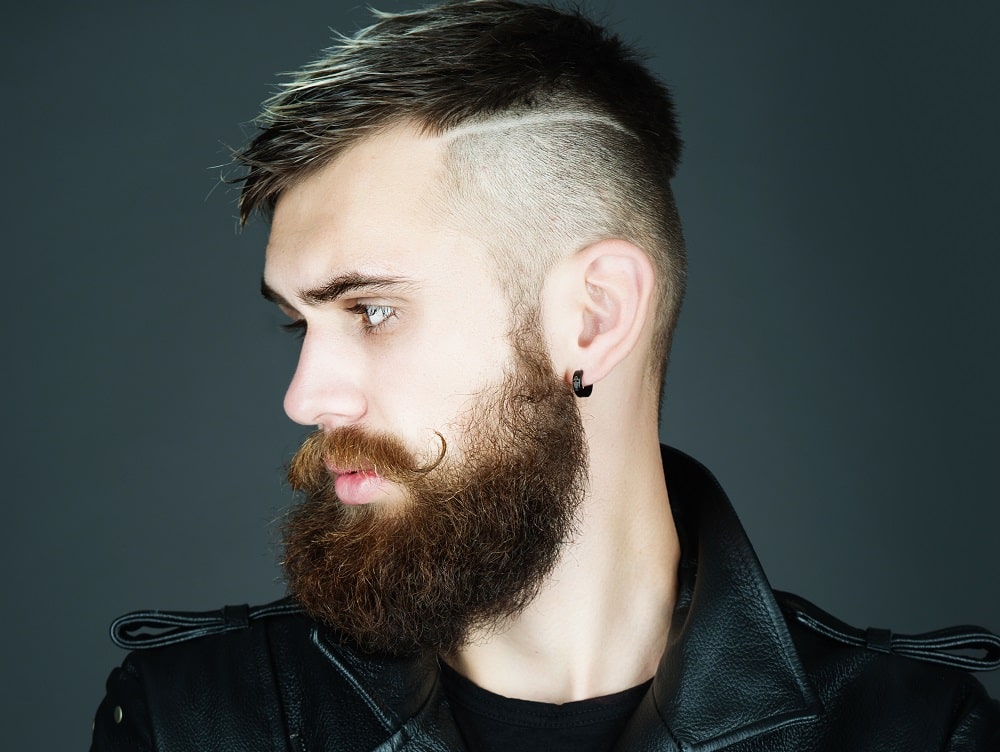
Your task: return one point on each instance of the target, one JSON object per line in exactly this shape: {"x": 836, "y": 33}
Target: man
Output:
{"x": 472, "y": 230}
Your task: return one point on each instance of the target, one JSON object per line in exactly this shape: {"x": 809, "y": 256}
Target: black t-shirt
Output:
{"x": 493, "y": 723}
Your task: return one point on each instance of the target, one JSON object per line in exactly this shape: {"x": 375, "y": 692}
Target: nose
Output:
{"x": 326, "y": 390}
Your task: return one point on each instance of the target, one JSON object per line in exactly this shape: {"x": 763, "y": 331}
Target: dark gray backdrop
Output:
{"x": 836, "y": 363}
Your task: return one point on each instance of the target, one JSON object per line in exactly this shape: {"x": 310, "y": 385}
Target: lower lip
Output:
{"x": 359, "y": 488}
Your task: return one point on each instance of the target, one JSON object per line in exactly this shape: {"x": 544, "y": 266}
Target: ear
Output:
{"x": 596, "y": 305}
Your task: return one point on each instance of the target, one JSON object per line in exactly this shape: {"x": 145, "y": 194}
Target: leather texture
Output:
{"x": 746, "y": 669}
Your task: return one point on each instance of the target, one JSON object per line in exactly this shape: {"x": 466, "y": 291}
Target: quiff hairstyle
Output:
{"x": 556, "y": 135}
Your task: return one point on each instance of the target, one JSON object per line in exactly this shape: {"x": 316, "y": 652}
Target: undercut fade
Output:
{"x": 556, "y": 135}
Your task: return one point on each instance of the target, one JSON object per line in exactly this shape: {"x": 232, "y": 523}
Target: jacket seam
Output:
{"x": 292, "y": 737}
{"x": 373, "y": 706}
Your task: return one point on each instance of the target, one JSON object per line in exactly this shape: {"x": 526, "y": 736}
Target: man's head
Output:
{"x": 467, "y": 203}
{"x": 450, "y": 461}
{"x": 556, "y": 136}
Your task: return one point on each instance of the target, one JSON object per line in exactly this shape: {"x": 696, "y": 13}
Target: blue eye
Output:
{"x": 374, "y": 316}
{"x": 378, "y": 314}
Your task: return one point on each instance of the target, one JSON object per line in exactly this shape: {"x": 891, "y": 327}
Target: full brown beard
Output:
{"x": 474, "y": 539}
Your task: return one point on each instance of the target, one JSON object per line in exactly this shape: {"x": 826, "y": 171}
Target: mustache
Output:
{"x": 354, "y": 448}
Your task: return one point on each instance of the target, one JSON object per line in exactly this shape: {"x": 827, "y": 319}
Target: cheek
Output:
{"x": 422, "y": 384}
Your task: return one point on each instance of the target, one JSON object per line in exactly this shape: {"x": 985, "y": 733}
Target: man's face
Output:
{"x": 450, "y": 460}
{"x": 417, "y": 326}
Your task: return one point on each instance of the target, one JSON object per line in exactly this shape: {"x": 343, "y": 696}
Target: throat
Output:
{"x": 600, "y": 622}
{"x": 584, "y": 636}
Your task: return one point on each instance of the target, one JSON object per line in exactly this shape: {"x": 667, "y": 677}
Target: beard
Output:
{"x": 476, "y": 535}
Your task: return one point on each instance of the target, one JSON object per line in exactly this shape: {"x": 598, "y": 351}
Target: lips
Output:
{"x": 357, "y": 486}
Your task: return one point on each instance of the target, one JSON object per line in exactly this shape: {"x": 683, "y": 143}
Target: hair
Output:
{"x": 556, "y": 135}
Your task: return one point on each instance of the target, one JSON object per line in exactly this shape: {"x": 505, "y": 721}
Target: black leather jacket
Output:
{"x": 746, "y": 670}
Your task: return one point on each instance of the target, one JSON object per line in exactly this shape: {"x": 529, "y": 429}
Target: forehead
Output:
{"x": 373, "y": 209}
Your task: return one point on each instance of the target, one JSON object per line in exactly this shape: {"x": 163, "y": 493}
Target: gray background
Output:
{"x": 836, "y": 363}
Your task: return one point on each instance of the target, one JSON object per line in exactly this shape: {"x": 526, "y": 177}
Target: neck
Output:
{"x": 600, "y": 623}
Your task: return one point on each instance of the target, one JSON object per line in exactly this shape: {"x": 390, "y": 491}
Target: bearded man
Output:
{"x": 472, "y": 230}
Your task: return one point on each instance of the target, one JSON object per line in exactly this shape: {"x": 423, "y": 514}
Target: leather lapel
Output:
{"x": 730, "y": 671}
{"x": 403, "y": 694}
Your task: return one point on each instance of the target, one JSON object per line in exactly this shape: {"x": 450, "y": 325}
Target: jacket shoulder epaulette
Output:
{"x": 140, "y": 630}
{"x": 966, "y": 647}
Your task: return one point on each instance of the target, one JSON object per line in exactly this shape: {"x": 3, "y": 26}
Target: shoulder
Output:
{"x": 918, "y": 682}
{"x": 244, "y": 678}
{"x": 186, "y": 667}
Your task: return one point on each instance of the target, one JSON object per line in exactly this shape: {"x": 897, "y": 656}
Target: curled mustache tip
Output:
{"x": 441, "y": 454}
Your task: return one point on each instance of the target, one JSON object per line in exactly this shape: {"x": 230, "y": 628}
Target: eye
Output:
{"x": 378, "y": 314}
{"x": 375, "y": 316}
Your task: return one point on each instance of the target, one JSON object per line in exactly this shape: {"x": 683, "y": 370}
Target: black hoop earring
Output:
{"x": 578, "y": 388}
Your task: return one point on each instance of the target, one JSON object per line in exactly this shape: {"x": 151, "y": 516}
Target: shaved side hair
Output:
{"x": 556, "y": 135}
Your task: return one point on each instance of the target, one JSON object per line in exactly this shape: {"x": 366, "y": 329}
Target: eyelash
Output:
{"x": 364, "y": 310}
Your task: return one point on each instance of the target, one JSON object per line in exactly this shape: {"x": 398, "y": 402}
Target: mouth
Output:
{"x": 356, "y": 485}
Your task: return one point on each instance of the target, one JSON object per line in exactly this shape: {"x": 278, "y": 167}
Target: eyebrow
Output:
{"x": 337, "y": 287}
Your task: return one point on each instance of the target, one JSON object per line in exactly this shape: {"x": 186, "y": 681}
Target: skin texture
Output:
{"x": 600, "y": 621}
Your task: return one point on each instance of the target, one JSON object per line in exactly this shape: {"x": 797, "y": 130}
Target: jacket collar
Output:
{"x": 730, "y": 671}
